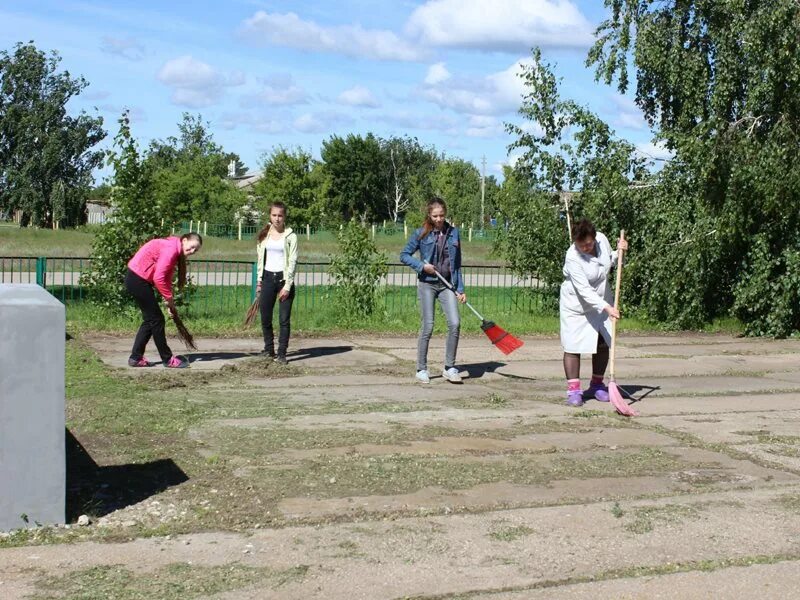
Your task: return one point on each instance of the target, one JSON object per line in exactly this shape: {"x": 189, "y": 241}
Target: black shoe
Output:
{"x": 281, "y": 359}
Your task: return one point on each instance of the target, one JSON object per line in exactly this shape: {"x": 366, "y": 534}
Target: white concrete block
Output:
{"x": 32, "y": 455}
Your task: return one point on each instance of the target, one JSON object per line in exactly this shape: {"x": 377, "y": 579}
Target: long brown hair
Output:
{"x": 428, "y": 225}
{"x": 182, "y": 258}
{"x": 583, "y": 229}
{"x": 265, "y": 230}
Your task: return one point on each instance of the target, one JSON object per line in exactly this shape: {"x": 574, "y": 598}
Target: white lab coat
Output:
{"x": 585, "y": 293}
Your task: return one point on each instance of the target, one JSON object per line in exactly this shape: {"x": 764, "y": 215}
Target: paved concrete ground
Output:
{"x": 493, "y": 489}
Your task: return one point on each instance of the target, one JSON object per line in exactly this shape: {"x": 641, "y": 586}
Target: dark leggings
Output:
{"x": 271, "y": 285}
{"x": 572, "y": 362}
{"x": 153, "y": 319}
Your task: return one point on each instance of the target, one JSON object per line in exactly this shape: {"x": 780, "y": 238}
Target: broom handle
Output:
{"x": 613, "y": 351}
{"x": 452, "y": 289}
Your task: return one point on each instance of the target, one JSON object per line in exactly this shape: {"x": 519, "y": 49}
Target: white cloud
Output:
{"x": 408, "y": 120}
{"x": 627, "y": 114}
{"x": 437, "y": 73}
{"x": 501, "y": 25}
{"x": 272, "y": 124}
{"x": 494, "y": 94}
{"x": 358, "y": 96}
{"x": 127, "y": 48}
{"x": 194, "y": 83}
{"x": 350, "y": 40}
{"x": 484, "y": 127}
{"x": 320, "y": 122}
{"x": 277, "y": 90}
{"x": 653, "y": 151}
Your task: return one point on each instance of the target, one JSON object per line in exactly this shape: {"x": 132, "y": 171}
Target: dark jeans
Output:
{"x": 153, "y": 319}
{"x": 271, "y": 285}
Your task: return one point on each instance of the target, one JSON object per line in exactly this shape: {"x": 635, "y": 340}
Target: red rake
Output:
{"x": 614, "y": 394}
{"x": 500, "y": 338}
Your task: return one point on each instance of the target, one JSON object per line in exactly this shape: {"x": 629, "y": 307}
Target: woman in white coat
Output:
{"x": 586, "y": 309}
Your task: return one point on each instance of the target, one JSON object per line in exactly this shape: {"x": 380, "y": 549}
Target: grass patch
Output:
{"x": 788, "y": 502}
{"x": 645, "y": 518}
{"x": 177, "y": 581}
{"x": 510, "y": 533}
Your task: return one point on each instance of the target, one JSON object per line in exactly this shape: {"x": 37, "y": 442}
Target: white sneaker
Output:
{"x": 451, "y": 375}
{"x": 423, "y": 377}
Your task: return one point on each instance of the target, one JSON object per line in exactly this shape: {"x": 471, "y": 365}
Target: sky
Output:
{"x": 268, "y": 74}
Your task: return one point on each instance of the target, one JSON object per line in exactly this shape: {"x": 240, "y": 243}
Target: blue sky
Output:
{"x": 268, "y": 74}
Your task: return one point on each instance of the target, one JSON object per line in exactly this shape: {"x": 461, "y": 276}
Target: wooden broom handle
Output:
{"x": 613, "y": 350}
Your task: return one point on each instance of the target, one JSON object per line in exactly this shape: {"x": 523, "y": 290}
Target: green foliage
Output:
{"x": 354, "y": 166}
{"x": 357, "y": 270}
{"x": 458, "y": 183}
{"x": 189, "y": 176}
{"x": 136, "y": 220}
{"x": 568, "y": 153}
{"x": 719, "y": 79}
{"x": 291, "y": 177}
{"x": 407, "y": 176}
{"x": 46, "y": 160}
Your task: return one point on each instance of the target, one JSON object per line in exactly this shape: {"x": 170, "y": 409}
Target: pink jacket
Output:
{"x": 155, "y": 262}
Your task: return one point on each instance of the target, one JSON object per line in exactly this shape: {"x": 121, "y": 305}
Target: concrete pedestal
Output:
{"x": 32, "y": 455}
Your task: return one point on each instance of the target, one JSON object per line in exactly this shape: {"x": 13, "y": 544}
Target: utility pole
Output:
{"x": 483, "y": 189}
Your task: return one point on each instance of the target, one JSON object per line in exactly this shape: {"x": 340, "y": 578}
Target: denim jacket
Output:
{"x": 426, "y": 247}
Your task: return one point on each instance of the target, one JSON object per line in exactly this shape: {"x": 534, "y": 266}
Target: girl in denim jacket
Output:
{"x": 439, "y": 248}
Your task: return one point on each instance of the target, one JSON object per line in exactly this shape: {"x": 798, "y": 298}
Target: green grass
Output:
{"x": 15, "y": 241}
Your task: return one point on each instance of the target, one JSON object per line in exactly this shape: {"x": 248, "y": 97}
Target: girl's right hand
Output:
{"x": 612, "y": 312}
{"x": 429, "y": 269}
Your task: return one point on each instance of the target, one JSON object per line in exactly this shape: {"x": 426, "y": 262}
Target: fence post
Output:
{"x": 308, "y": 231}
{"x": 41, "y": 271}
{"x": 470, "y": 233}
{"x": 373, "y": 231}
{"x": 205, "y": 227}
{"x": 253, "y": 282}
{"x": 191, "y": 223}
{"x": 405, "y": 229}
{"x": 240, "y": 230}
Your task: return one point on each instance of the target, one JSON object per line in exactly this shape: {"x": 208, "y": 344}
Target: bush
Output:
{"x": 357, "y": 270}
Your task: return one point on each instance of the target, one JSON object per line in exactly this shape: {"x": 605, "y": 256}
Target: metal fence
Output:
{"x": 221, "y": 285}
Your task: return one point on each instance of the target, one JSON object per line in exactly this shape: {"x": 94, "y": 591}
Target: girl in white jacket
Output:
{"x": 586, "y": 309}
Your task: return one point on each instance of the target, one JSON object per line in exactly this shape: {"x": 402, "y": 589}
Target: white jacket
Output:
{"x": 289, "y": 257}
{"x": 585, "y": 293}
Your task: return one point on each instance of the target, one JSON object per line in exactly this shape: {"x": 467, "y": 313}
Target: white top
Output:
{"x": 584, "y": 295}
{"x": 274, "y": 262}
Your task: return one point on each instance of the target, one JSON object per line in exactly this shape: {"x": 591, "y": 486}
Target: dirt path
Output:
{"x": 338, "y": 477}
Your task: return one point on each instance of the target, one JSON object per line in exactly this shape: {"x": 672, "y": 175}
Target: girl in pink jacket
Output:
{"x": 153, "y": 266}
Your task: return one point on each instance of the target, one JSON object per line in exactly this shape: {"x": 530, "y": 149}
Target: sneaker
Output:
{"x": 267, "y": 354}
{"x": 575, "y": 398}
{"x": 598, "y": 392}
{"x": 281, "y": 360}
{"x": 423, "y": 377}
{"x": 451, "y": 375}
{"x": 177, "y": 362}
{"x": 142, "y": 362}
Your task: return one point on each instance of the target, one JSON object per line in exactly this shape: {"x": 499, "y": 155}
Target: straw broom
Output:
{"x": 252, "y": 311}
{"x": 614, "y": 393}
{"x": 183, "y": 334}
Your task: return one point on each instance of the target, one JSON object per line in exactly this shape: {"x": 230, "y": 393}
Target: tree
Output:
{"x": 354, "y": 166}
{"x": 136, "y": 219}
{"x": 409, "y": 168}
{"x": 458, "y": 183}
{"x": 357, "y": 269}
{"x": 46, "y": 160}
{"x": 566, "y": 149}
{"x": 288, "y": 177}
{"x": 719, "y": 81}
{"x": 190, "y": 175}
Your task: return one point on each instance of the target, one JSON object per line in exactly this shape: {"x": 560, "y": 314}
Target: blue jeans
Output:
{"x": 427, "y": 294}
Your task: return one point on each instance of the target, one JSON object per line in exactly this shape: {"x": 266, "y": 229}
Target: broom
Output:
{"x": 614, "y": 393}
{"x": 502, "y": 340}
{"x": 252, "y": 312}
{"x": 183, "y": 333}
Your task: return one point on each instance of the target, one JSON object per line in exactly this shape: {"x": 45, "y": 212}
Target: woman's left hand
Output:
{"x": 283, "y": 295}
{"x": 461, "y": 297}
{"x": 622, "y": 245}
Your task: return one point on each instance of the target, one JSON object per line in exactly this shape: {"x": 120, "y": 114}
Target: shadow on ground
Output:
{"x": 637, "y": 393}
{"x": 208, "y": 356}
{"x": 317, "y": 352}
{"x": 96, "y": 490}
